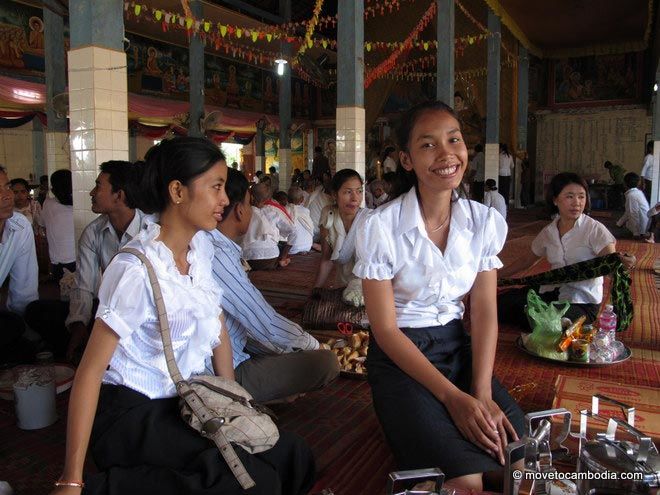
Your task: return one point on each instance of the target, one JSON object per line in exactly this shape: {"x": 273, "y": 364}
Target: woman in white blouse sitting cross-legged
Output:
{"x": 123, "y": 403}
{"x": 432, "y": 384}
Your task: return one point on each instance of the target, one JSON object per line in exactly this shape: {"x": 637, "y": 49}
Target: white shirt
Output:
{"x": 506, "y": 165}
{"x": 304, "y": 228}
{"x": 428, "y": 285}
{"x": 283, "y": 223}
{"x": 389, "y": 165}
{"x": 97, "y": 245}
{"x": 496, "y": 200}
{"x": 478, "y": 164}
{"x": 635, "y": 217}
{"x": 260, "y": 240}
{"x": 647, "y": 167}
{"x": 18, "y": 260}
{"x": 127, "y": 306}
{"x": 382, "y": 199}
{"x": 583, "y": 242}
{"x": 341, "y": 242}
{"x": 317, "y": 201}
{"x": 58, "y": 221}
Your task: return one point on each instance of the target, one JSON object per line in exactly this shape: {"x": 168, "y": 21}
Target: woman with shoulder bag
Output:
{"x": 124, "y": 403}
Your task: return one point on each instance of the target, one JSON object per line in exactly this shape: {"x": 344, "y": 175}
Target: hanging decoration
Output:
{"x": 311, "y": 25}
{"x": 388, "y": 64}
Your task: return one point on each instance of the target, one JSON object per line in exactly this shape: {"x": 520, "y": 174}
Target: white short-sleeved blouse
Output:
{"x": 428, "y": 284}
{"x": 127, "y": 306}
{"x": 584, "y": 241}
{"x": 341, "y": 242}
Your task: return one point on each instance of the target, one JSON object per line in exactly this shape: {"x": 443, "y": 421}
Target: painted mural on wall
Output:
{"x": 594, "y": 80}
{"x": 154, "y": 68}
{"x": 162, "y": 70}
{"x": 326, "y": 138}
{"x": 22, "y": 41}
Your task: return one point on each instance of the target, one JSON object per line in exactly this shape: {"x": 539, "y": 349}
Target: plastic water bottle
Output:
{"x": 607, "y": 321}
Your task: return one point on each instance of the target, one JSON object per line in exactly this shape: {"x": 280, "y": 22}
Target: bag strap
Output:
{"x": 211, "y": 423}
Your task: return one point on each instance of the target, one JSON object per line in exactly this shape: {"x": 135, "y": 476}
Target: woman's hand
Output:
{"x": 503, "y": 426}
{"x": 628, "y": 260}
{"x": 474, "y": 420}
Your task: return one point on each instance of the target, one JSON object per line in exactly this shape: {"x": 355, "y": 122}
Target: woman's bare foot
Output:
{"x": 284, "y": 262}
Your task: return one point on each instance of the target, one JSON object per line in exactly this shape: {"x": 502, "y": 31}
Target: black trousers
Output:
{"x": 504, "y": 184}
{"x": 143, "y": 447}
{"x": 14, "y": 348}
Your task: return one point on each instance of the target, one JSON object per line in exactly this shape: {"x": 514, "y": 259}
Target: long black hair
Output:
{"x": 408, "y": 179}
{"x": 179, "y": 158}
{"x": 342, "y": 176}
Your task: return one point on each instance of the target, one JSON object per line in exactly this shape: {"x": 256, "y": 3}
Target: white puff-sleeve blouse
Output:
{"x": 428, "y": 284}
{"x": 126, "y": 305}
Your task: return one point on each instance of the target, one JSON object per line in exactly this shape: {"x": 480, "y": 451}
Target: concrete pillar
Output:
{"x": 38, "y": 158}
{"x": 196, "y": 72}
{"x": 492, "y": 148}
{"x": 350, "y": 123}
{"x": 98, "y": 105}
{"x": 523, "y": 103}
{"x": 284, "y": 152}
{"x": 655, "y": 190}
{"x": 445, "y": 64}
{"x": 57, "y": 154}
{"x": 260, "y": 147}
{"x": 309, "y": 146}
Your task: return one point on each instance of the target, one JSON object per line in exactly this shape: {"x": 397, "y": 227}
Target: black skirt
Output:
{"x": 142, "y": 446}
{"x": 418, "y": 427}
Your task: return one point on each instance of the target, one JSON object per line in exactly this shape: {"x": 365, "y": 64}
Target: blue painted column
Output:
{"x": 56, "y": 131}
{"x": 284, "y": 151}
{"x": 98, "y": 97}
{"x": 492, "y": 151}
{"x": 350, "y": 121}
{"x": 196, "y": 72}
{"x": 445, "y": 63}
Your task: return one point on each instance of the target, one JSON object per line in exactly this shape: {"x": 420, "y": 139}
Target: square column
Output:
{"x": 492, "y": 157}
{"x": 58, "y": 154}
{"x": 98, "y": 120}
{"x": 351, "y": 139}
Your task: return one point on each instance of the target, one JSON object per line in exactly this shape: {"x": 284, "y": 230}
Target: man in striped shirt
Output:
{"x": 274, "y": 358}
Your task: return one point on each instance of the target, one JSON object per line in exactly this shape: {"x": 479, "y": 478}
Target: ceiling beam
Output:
{"x": 256, "y": 11}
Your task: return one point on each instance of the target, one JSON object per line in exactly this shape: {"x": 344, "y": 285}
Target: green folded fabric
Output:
{"x": 604, "y": 265}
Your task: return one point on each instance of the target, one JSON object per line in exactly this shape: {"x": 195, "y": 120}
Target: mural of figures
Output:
{"x": 36, "y": 39}
{"x": 599, "y": 79}
{"x": 152, "y": 63}
{"x": 233, "y": 90}
{"x": 270, "y": 96}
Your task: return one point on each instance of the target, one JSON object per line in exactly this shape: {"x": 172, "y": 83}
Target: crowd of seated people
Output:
{"x": 417, "y": 249}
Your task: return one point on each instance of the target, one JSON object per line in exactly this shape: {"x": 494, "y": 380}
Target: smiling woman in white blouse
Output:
{"x": 419, "y": 256}
{"x": 138, "y": 440}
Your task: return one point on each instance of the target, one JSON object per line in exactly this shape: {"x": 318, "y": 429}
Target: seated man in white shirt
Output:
{"x": 270, "y": 224}
{"x": 319, "y": 199}
{"x": 18, "y": 261}
{"x": 65, "y": 326}
{"x": 492, "y": 198}
{"x": 301, "y": 221}
{"x": 379, "y": 195}
{"x": 635, "y": 219}
{"x": 264, "y": 343}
